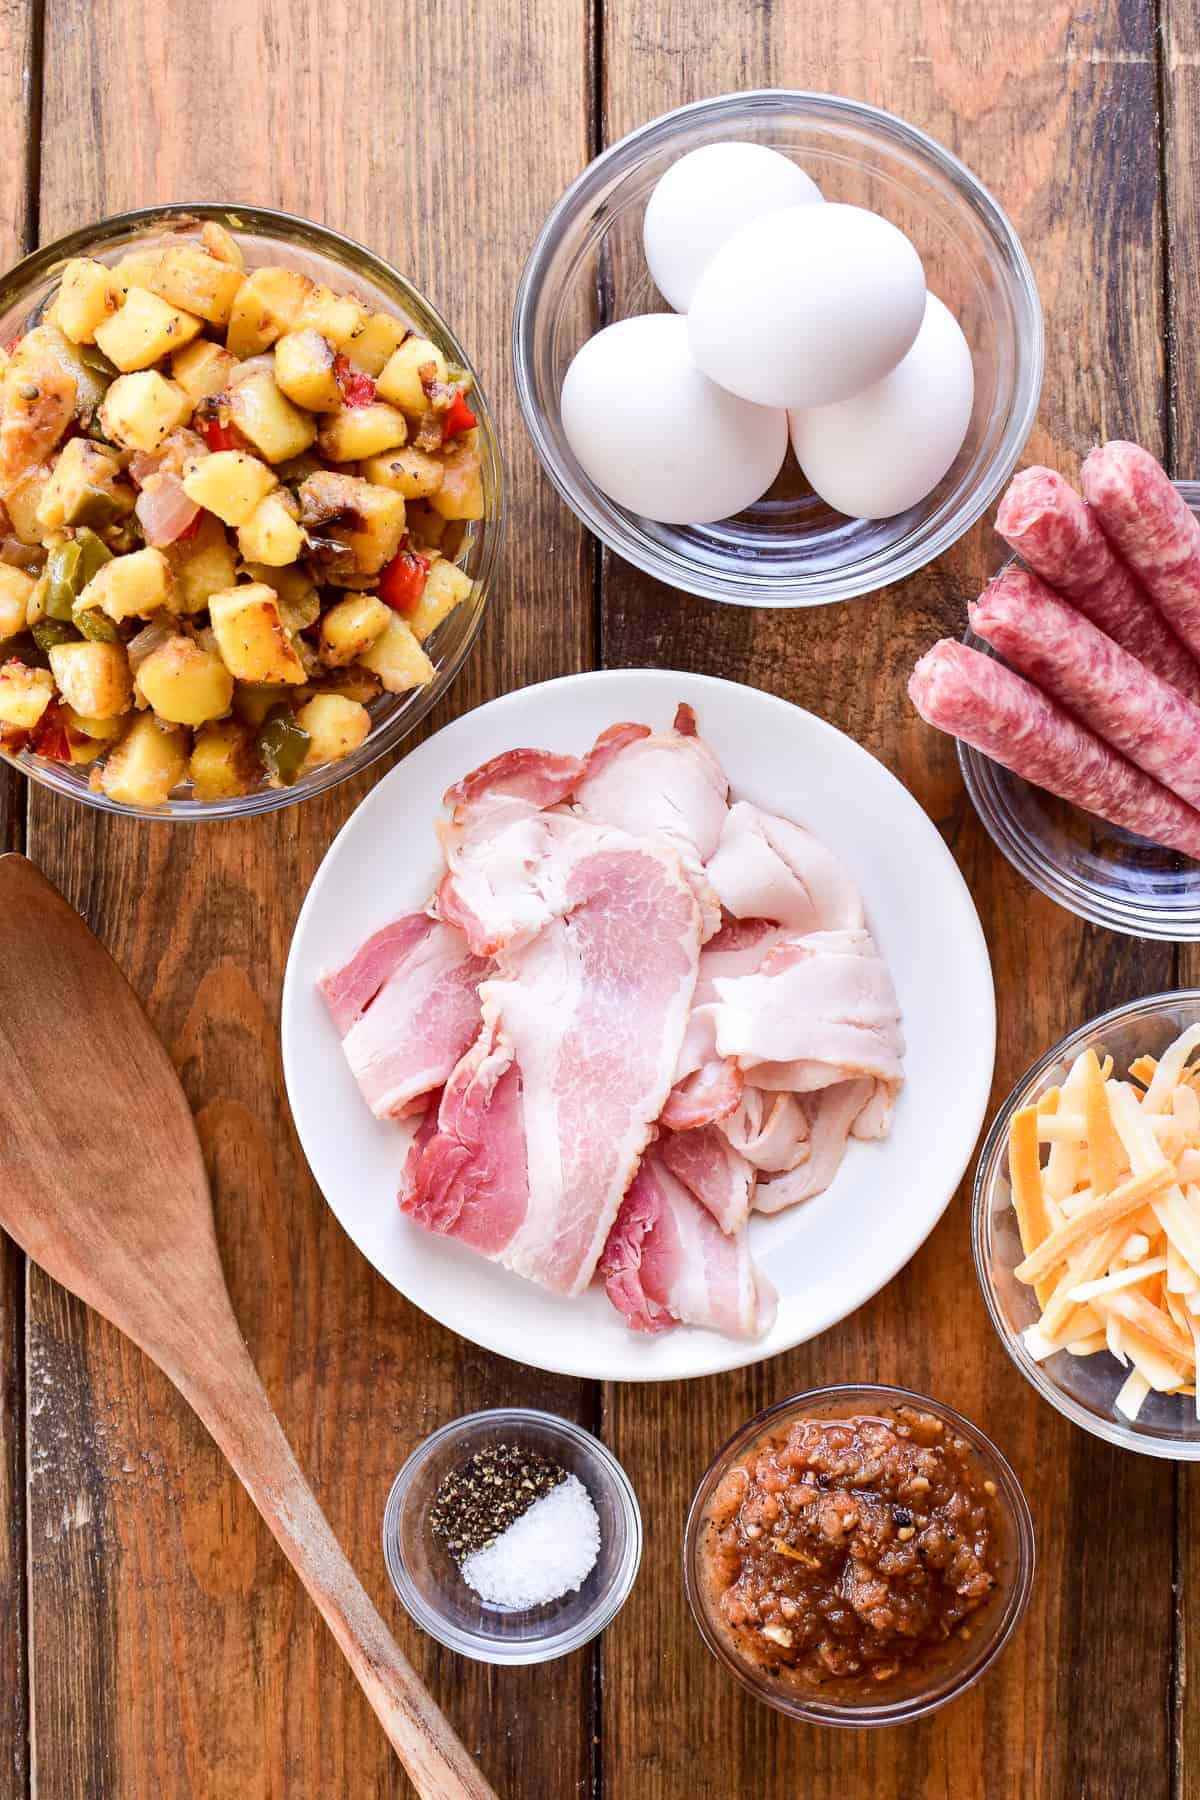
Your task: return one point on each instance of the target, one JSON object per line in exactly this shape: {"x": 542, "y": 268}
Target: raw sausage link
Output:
{"x": 1111, "y": 692}
{"x": 964, "y": 692}
{"x": 1043, "y": 519}
{"x": 1145, "y": 518}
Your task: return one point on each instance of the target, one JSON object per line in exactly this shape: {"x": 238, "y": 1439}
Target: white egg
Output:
{"x": 881, "y": 452}
{"x": 657, "y": 436}
{"x": 704, "y": 198}
{"x": 807, "y": 306}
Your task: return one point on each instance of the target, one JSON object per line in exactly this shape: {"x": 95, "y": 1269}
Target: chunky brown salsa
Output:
{"x": 847, "y": 1550}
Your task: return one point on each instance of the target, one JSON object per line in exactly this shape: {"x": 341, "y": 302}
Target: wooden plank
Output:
{"x": 173, "y": 1653}
{"x": 1055, "y": 114}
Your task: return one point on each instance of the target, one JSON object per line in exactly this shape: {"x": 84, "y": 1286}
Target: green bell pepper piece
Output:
{"x": 283, "y": 745}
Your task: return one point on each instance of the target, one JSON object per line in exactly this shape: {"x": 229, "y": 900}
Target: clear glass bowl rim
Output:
{"x": 323, "y": 240}
{"x": 1111, "y": 1431}
{"x": 758, "y": 103}
{"x": 496, "y": 1651}
{"x": 916, "y": 1706}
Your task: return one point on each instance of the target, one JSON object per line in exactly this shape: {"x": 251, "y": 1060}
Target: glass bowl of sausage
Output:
{"x": 252, "y": 509}
{"x": 1096, "y": 870}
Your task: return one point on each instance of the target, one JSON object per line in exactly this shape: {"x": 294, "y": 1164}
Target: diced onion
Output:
{"x": 164, "y": 510}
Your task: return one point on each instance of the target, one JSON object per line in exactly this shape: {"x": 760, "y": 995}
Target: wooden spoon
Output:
{"x": 102, "y": 1183}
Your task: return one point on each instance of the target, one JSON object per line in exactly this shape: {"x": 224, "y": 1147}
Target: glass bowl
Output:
{"x": 426, "y": 1577}
{"x": 789, "y": 549}
{"x": 270, "y": 237}
{"x": 1095, "y": 870}
{"x": 992, "y": 1625}
{"x": 1081, "y": 1388}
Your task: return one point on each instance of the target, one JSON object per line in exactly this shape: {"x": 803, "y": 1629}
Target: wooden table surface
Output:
{"x": 152, "y": 1642}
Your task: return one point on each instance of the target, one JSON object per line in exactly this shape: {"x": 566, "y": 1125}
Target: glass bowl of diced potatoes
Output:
{"x": 251, "y": 505}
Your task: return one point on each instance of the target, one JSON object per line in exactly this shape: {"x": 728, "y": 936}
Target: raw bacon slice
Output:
{"x": 1145, "y": 518}
{"x": 833, "y": 1114}
{"x": 581, "y": 1036}
{"x": 719, "y": 1176}
{"x": 767, "y": 868}
{"x": 769, "y": 1130}
{"x": 708, "y": 1086}
{"x": 667, "y": 1259}
{"x": 407, "y": 1005}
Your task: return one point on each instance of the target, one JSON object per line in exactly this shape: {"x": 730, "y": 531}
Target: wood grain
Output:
{"x": 1054, "y": 112}
{"x": 172, "y": 1653}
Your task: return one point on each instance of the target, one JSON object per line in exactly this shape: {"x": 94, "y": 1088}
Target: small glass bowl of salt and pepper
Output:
{"x": 512, "y": 1536}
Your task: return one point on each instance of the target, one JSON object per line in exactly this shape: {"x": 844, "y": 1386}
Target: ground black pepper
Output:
{"x": 487, "y": 1493}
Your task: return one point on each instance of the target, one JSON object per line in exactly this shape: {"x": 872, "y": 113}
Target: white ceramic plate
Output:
{"x": 826, "y": 1257}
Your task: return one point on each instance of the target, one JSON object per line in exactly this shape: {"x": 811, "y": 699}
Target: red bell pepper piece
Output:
{"x": 49, "y": 737}
{"x": 460, "y": 418}
{"x": 357, "y": 389}
{"x": 403, "y": 581}
{"x": 220, "y": 437}
{"x": 191, "y": 530}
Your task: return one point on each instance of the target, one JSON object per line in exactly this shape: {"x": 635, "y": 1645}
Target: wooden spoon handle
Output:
{"x": 248, "y": 1432}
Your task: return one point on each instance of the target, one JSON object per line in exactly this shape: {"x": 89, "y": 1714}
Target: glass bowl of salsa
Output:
{"x": 858, "y": 1555}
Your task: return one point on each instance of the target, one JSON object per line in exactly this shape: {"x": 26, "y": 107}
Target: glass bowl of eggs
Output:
{"x": 778, "y": 348}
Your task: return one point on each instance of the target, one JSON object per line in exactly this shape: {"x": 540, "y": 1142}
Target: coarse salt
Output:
{"x": 546, "y": 1553}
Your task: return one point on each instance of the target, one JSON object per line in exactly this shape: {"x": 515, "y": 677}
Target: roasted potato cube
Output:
{"x": 22, "y": 501}
{"x": 202, "y": 565}
{"x": 202, "y": 368}
{"x": 134, "y": 269}
{"x": 304, "y": 370}
{"x": 223, "y": 765}
{"x": 145, "y": 330}
{"x": 350, "y": 627}
{"x": 401, "y": 382}
{"x": 229, "y": 483}
{"x": 85, "y": 488}
{"x": 271, "y": 534}
{"x": 140, "y": 409}
{"x": 375, "y": 340}
{"x": 93, "y": 678}
{"x": 335, "y": 316}
{"x": 446, "y": 586}
{"x": 24, "y": 695}
{"x": 459, "y": 494}
{"x": 148, "y": 762}
{"x": 189, "y": 277}
{"x": 426, "y": 528}
{"x": 185, "y": 683}
{"x": 293, "y": 585}
{"x": 88, "y": 294}
{"x": 15, "y": 588}
{"x": 268, "y": 304}
{"x": 368, "y": 519}
{"x": 102, "y": 730}
{"x": 38, "y": 399}
{"x": 397, "y": 658}
{"x": 361, "y": 431}
{"x": 265, "y": 415}
{"x": 129, "y": 587}
{"x": 251, "y": 636}
{"x": 335, "y": 725}
{"x": 408, "y": 472}
{"x": 222, "y": 244}
{"x": 353, "y": 683}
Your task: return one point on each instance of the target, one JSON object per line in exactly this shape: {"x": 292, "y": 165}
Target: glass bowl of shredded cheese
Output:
{"x": 1087, "y": 1226}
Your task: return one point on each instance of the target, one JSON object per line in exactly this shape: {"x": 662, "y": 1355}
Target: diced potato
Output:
{"x": 409, "y": 472}
{"x": 304, "y": 370}
{"x": 36, "y": 608}
{"x": 185, "y": 683}
{"x": 88, "y": 294}
{"x": 377, "y": 339}
{"x": 265, "y": 415}
{"x": 353, "y": 683}
{"x": 336, "y": 726}
{"x": 271, "y": 535}
{"x": 446, "y": 586}
{"x": 24, "y": 695}
{"x": 85, "y": 488}
{"x": 335, "y": 316}
{"x": 251, "y": 636}
{"x": 252, "y": 701}
{"x": 400, "y": 381}
{"x": 291, "y": 584}
{"x": 189, "y": 277}
{"x": 102, "y": 730}
{"x": 267, "y": 304}
{"x": 145, "y": 329}
{"x": 39, "y": 396}
{"x": 15, "y": 588}
{"x": 397, "y": 658}
{"x": 129, "y": 587}
{"x": 133, "y": 270}
{"x": 22, "y": 501}
{"x": 222, "y": 244}
{"x": 361, "y": 431}
{"x": 459, "y": 495}
{"x": 368, "y": 519}
{"x": 94, "y": 679}
{"x": 202, "y": 368}
{"x": 223, "y": 764}
{"x": 202, "y": 565}
{"x": 229, "y": 483}
{"x": 350, "y": 627}
{"x": 149, "y": 761}
{"x": 426, "y": 528}
{"x": 140, "y": 409}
